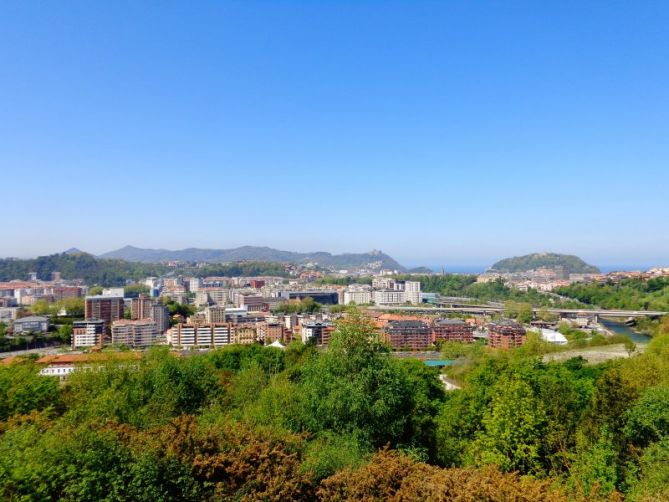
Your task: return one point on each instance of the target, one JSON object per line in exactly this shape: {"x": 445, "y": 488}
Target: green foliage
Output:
{"x": 629, "y": 294}
{"x": 182, "y": 309}
{"x": 594, "y": 472}
{"x": 568, "y": 264}
{"x": 648, "y": 419}
{"x": 512, "y": 429}
{"x": 134, "y": 290}
{"x": 307, "y": 305}
{"x": 243, "y": 269}
{"x": 23, "y": 390}
{"x": 258, "y": 423}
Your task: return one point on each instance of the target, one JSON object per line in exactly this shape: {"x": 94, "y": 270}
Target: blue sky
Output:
{"x": 453, "y": 132}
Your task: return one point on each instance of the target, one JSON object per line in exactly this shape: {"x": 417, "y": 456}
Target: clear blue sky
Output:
{"x": 453, "y": 132}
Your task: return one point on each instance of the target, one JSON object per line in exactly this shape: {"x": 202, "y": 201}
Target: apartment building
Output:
{"x": 317, "y": 333}
{"x": 383, "y": 283}
{"x": 412, "y": 292}
{"x": 136, "y": 334}
{"x": 246, "y": 334}
{"x": 408, "y": 335}
{"x": 506, "y": 334}
{"x": 88, "y": 333}
{"x": 253, "y": 303}
{"x": 215, "y": 314}
{"x": 107, "y": 308}
{"x": 211, "y": 335}
{"x": 160, "y": 315}
{"x": 453, "y": 330}
{"x": 357, "y": 296}
{"x": 269, "y": 332}
{"x": 388, "y": 297}
{"x": 141, "y": 307}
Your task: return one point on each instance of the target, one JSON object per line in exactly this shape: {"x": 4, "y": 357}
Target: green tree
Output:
{"x": 512, "y": 429}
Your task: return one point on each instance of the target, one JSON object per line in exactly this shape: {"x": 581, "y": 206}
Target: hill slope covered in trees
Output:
{"x": 568, "y": 263}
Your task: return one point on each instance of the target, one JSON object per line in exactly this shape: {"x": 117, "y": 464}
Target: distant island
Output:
{"x": 568, "y": 264}
{"x": 375, "y": 260}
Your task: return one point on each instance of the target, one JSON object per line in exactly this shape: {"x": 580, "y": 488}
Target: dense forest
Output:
{"x": 631, "y": 294}
{"x": 349, "y": 423}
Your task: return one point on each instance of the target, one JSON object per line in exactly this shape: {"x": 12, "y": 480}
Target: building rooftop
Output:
{"x": 448, "y": 322}
{"x": 32, "y": 318}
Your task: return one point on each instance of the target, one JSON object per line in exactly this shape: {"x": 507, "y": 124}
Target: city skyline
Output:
{"x": 439, "y": 133}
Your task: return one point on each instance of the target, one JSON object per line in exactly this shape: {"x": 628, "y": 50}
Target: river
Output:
{"x": 621, "y": 329}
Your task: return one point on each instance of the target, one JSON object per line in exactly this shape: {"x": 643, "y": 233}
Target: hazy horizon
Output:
{"x": 435, "y": 264}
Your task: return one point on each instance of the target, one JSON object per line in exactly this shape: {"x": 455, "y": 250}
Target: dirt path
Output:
{"x": 594, "y": 355}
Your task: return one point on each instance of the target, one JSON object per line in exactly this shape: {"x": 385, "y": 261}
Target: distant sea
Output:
{"x": 479, "y": 269}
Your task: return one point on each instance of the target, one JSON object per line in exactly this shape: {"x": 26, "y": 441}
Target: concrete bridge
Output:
{"x": 487, "y": 309}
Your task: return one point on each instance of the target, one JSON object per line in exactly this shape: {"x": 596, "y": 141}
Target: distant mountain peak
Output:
{"x": 73, "y": 251}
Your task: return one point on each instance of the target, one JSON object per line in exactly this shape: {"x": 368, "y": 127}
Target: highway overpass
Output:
{"x": 481, "y": 309}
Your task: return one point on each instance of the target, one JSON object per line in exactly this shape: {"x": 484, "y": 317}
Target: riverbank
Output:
{"x": 618, "y": 328}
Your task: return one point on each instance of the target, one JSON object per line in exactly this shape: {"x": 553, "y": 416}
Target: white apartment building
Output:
{"x": 359, "y": 297}
{"x": 383, "y": 283}
{"x": 88, "y": 333}
{"x": 187, "y": 336}
{"x": 412, "y": 292}
{"x": 388, "y": 297}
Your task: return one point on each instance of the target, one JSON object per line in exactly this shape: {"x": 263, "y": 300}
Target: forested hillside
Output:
{"x": 351, "y": 423}
{"x": 78, "y": 266}
{"x": 568, "y": 263}
{"x": 632, "y": 294}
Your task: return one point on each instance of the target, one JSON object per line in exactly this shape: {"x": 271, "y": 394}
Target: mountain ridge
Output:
{"x": 374, "y": 259}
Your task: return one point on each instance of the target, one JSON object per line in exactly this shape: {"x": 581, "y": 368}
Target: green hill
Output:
{"x": 569, "y": 264}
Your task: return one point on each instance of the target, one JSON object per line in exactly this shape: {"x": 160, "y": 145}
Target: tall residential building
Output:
{"x": 160, "y": 315}
{"x": 505, "y": 334}
{"x": 215, "y": 314}
{"x": 107, "y": 308}
{"x": 89, "y": 333}
{"x": 140, "y": 307}
{"x": 412, "y": 292}
{"x": 136, "y": 334}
